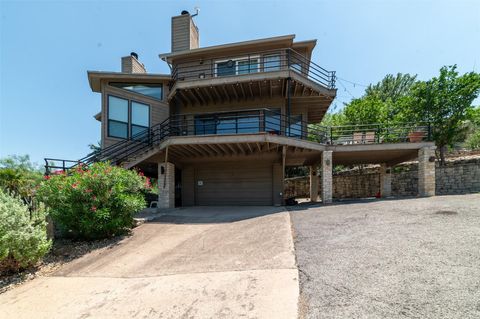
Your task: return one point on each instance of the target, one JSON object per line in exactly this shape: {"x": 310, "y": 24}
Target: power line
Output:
{"x": 345, "y": 88}
{"x": 351, "y": 82}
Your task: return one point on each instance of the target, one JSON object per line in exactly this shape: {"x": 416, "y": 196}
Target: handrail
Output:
{"x": 254, "y": 62}
{"x": 244, "y": 122}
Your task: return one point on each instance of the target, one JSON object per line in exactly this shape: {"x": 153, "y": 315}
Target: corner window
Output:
{"x": 271, "y": 63}
{"x": 272, "y": 121}
{"x": 296, "y": 128}
{"x": 117, "y": 117}
{"x": 151, "y": 90}
{"x": 127, "y": 119}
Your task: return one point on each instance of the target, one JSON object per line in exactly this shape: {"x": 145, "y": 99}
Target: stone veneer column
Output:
{"x": 327, "y": 187}
{"x": 314, "y": 183}
{"x": 166, "y": 185}
{"x": 426, "y": 171}
{"x": 385, "y": 180}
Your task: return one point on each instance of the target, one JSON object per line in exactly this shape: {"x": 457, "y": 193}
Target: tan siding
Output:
{"x": 238, "y": 183}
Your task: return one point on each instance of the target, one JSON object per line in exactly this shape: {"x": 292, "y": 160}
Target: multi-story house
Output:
{"x": 222, "y": 127}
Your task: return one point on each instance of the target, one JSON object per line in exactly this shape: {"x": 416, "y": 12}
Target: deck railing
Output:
{"x": 255, "y": 62}
{"x": 247, "y": 122}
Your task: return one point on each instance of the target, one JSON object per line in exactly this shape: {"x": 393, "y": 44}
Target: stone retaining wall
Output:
{"x": 458, "y": 176}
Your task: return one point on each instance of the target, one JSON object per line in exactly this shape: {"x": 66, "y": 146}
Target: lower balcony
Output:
{"x": 274, "y": 123}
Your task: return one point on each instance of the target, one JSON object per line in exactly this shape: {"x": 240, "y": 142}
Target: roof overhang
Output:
{"x": 285, "y": 41}
{"x": 96, "y": 77}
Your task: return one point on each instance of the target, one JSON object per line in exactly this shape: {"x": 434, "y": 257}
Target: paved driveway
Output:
{"x": 200, "y": 263}
{"x": 413, "y": 258}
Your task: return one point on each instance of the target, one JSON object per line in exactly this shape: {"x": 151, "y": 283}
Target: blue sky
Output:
{"x": 46, "y": 48}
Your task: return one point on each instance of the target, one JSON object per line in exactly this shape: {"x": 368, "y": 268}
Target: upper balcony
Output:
{"x": 262, "y": 74}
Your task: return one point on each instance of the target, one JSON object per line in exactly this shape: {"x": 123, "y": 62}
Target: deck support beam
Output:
{"x": 327, "y": 179}
{"x": 426, "y": 171}
{"x": 313, "y": 183}
{"x": 385, "y": 180}
{"x": 166, "y": 185}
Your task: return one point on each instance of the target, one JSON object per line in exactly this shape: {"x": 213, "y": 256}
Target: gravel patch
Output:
{"x": 411, "y": 258}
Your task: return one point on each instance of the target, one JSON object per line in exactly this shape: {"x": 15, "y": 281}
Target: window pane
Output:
{"x": 272, "y": 121}
{"x": 117, "y": 109}
{"x": 117, "y": 129}
{"x": 226, "y": 68}
{"x": 296, "y": 126}
{"x": 271, "y": 63}
{"x": 139, "y": 132}
{"x": 246, "y": 66}
{"x": 249, "y": 124}
{"x": 152, "y": 90}
{"x": 140, "y": 114}
{"x": 226, "y": 126}
{"x": 204, "y": 126}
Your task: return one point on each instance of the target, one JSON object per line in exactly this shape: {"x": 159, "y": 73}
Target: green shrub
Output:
{"x": 93, "y": 203}
{"x": 23, "y": 238}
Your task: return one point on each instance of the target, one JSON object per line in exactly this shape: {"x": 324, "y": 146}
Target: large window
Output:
{"x": 127, "y": 118}
{"x": 296, "y": 128}
{"x": 151, "y": 90}
{"x": 238, "y": 66}
{"x": 227, "y": 123}
{"x": 271, "y": 62}
{"x": 140, "y": 118}
{"x": 273, "y": 121}
{"x": 117, "y": 117}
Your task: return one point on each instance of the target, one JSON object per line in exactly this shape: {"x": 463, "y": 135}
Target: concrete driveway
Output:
{"x": 200, "y": 263}
{"x": 410, "y": 258}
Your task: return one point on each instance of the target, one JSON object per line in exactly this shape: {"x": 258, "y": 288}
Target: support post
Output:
{"x": 166, "y": 185}
{"x": 314, "y": 183}
{"x": 327, "y": 187}
{"x": 385, "y": 180}
{"x": 426, "y": 171}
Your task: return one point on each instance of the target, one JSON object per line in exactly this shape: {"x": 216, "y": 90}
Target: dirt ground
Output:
{"x": 410, "y": 258}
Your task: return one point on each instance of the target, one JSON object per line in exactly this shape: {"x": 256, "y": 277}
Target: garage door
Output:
{"x": 234, "y": 184}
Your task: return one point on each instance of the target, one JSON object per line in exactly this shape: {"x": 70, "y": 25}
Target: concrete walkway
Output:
{"x": 198, "y": 263}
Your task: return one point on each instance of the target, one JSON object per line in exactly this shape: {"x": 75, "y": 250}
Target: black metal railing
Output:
{"x": 255, "y": 62}
{"x": 265, "y": 121}
{"x": 379, "y": 133}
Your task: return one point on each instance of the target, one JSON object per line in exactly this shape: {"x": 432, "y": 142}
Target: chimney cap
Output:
{"x": 134, "y": 54}
{"x": 185, "y": 12}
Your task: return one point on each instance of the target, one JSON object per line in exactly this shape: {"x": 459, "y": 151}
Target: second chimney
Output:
{"x": 184, "y": 33}
{"x": 130, "y": 64}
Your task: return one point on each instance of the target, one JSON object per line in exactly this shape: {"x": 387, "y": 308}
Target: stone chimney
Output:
{"x": 130, "y": 64}
{"x": 184, "y": 32}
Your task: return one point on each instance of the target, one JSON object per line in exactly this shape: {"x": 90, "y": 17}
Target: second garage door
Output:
{"x": 234, "y": 184}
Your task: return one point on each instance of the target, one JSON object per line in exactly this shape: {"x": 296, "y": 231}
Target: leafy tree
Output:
{"x": 391, "y": 87}
{"x": 446, "y": 102}
{"x": 382, "y": 102}
{"x": 366, "y": 110}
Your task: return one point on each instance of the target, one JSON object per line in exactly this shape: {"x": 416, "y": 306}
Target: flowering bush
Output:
{"x": 93, "y": 203}
{"x": 23, "y": 235}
